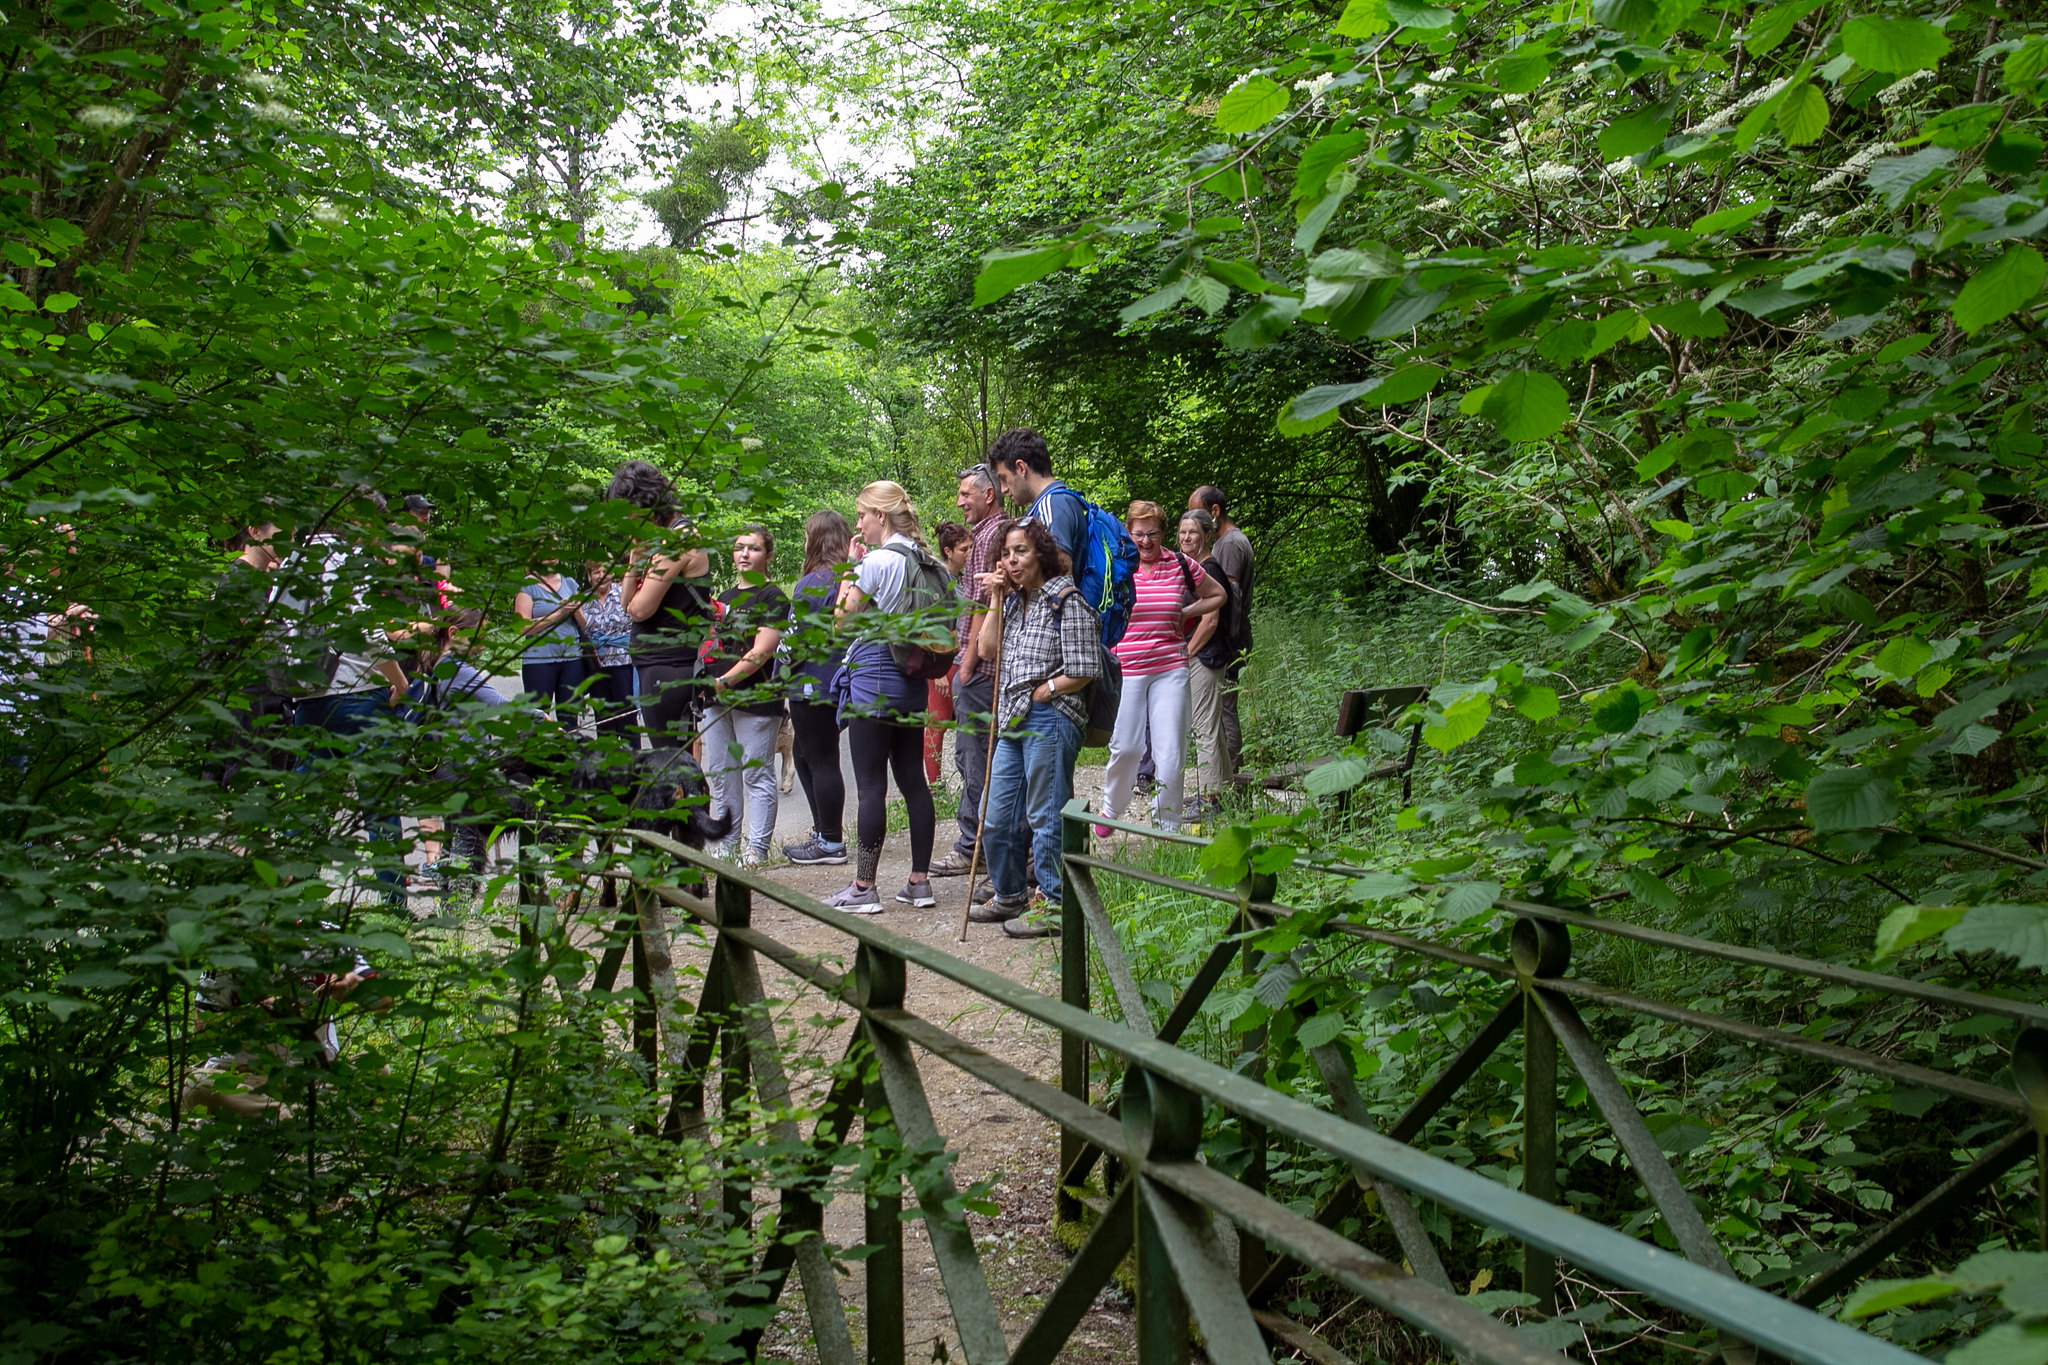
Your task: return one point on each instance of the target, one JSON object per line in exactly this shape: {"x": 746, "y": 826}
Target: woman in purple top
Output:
{"x": 813, "y": 714}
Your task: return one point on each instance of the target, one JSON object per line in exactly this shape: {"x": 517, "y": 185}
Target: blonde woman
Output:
{"x": 880, "y": 706}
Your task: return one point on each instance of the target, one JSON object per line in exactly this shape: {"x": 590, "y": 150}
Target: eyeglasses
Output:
{"x": 1145, "y": 535}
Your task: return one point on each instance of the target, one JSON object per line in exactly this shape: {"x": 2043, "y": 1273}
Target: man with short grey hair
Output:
{"x": 980, "y": 499}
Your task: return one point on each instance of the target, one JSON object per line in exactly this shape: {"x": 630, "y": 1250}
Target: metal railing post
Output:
{"x": 878, "y": 983}
{"x": 1162, "y": 1122}
{"x": 1539, "y": 949}
{"x": 1073, "y": 991}
{"x": 1259, "y": 887}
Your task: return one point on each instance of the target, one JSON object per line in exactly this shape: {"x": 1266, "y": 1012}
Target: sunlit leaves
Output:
{"x": 1894, "y": 45}
{"x": 1252, "y": 103}
{"x": 1460, "y": 722}
{"x": 2018, "y": 931}
{"x": 1528, "y": 405}
{"x": 1363, "y": 18}
{"x": 1316, "y": 409}
{"x": 1803, "y": 117}
{"x": 1909, "y": 924}
{"x": 1323, "y": 156}
{"x": 2004, "y": 287}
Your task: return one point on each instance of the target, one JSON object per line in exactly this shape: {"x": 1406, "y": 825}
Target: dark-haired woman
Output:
{"x": 667, "y": 593}
{"x": 813, "y": 715}
{"x": 1050, "y": 649}
{"x": 743, "y": 708}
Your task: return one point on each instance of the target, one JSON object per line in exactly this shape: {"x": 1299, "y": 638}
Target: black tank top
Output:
{"x": 670, "y": 637}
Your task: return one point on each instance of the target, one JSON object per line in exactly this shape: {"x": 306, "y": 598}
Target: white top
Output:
{"x": 354, "y": 668}
{"x": 881, "y": 577}
{"x": 23, "y": 634}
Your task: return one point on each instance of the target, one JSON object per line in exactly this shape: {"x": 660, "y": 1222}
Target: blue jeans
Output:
{"x": 345, "y": 716}
{"x": 1033, "y": 779}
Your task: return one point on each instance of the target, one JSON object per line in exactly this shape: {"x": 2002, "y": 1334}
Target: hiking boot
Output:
{"x": 857, "y": 900}
{"x": 1041, "y": 922}
{"x": 815, "y": 850}
{"x": 918, "y": 894}
{"x": 954, "y": 864}
{"x": 1000, "y": 910}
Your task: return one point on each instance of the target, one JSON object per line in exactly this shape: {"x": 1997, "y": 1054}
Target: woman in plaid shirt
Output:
{"x": 1050, "y": 650}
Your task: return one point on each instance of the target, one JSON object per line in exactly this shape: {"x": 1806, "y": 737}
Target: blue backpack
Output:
{"x": 1106, "y": 570}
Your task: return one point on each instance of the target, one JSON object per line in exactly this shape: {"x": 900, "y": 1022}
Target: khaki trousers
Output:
{"x": 1206, "y": 698}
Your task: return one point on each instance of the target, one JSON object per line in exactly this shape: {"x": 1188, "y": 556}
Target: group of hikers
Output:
{"x": 1027, "y": 632}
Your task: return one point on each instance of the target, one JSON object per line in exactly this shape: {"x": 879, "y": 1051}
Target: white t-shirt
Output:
{"x": 881, "y": 574}
{"x": 24, "y": 633}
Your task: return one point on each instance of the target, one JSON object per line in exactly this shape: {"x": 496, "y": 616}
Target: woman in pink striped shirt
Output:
{"x": 1173, "y": 593}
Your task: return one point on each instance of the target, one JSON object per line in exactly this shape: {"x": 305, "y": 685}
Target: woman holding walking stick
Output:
{"x": 1049, "y": 649}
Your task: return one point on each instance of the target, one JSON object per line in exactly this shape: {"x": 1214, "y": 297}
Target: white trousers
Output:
{"x": 752, "y": 773}
{"x": 1160, "y": 701}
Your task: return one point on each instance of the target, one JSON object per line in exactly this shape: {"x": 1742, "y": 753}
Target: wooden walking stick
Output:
{"x": 988, "y": 773}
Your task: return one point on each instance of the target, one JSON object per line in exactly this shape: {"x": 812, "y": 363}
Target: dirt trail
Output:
{"x": 997, "y": 1139}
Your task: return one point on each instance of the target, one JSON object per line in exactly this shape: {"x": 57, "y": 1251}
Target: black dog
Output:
{"x": 663, "y": 788}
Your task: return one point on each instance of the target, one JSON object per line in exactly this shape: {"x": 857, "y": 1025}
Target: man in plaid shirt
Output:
{"x": 980, "y": 500}
{"x": 1051, "y": 650}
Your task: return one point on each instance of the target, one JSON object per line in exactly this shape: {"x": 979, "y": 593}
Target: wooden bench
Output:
{"x": 1357, "y": 711}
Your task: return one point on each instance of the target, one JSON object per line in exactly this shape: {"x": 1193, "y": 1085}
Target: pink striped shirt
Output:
{"x": 1157, "y": 640}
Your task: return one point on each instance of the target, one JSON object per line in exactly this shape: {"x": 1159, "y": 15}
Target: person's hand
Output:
{"x": 856, "y": 548}
{"x": 398, "y": 696}
{"x": 1042, "y": 692}
{"x": 996, "y": 580}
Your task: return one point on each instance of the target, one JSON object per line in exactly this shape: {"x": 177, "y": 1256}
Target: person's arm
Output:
{"x": 1080, "y": 654}
{"x": 524, "y": 605}
{"x": 766, "y": 641}
{"x": 1208, "y": 598}
{"x": 642, "y": 591}
{"x": 394, "y": 674}
{"x": 851, "y": 600}
{"x": 1205, "y": 630}
{"x": 989, "y": 639}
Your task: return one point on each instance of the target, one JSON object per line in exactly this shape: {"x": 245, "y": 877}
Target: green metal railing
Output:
{"x": 1164, "y": 1202}
{"x": 1541, "y": 1003}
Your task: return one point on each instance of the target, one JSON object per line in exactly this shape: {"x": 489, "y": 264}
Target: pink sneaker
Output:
{"x": 1103, "y": 831}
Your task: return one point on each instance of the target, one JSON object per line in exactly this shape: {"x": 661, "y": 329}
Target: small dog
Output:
{"x": 785, "y": 750}
{"x": 664, "y": 789}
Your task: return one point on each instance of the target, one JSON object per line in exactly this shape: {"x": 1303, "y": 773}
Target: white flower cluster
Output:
{"x": 1622, "y": 166}
{"x": 1554, "y": 173}
{"x": 105, "y": 117}
{"x": 329, "y": 212}
{"x": 1898, "y": 89}
{"x": 272, "y": 112}
{"x": 1443, "y": 73}
{"x": 1807, "y": 223}
{"x": 1315, "y": 86}
{"x": 1853, "y": 168}
{"x": 1720, "y": 118}
{"x": 262, "y": 82}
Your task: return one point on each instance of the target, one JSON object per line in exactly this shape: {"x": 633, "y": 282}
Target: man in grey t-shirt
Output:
{"x": 1233, "y": 554}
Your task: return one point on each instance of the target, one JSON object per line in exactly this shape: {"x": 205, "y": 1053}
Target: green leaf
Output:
{"x": 1252, "y": 103}
{"x": 2018, "y": 931}
{"x": 1625, "y": 16}
{"x": 1964, "y": 126}
{"x": 1909, "y": 924}
{"x": 1236, "y": 273}
{"x": 1894, "y": 45}
{"x": 1157, "y": 301}
{"x": 1318, "y": 217}
{"x": 1803, "y": 117}
{"x": 1338, "y": 775}
{"x": 2004, "y": 287}
{"x": 1636, "y": 133}
{"x": 2009, "y": 1343}
{"x": 2003, "y": 1267}
{"x": 1321, "y": 1029}
{"x": 1904, "y": 656}
{"x": 1771, "y": 27}
{"x": 1363, "y": 18}
{"x": 1523, "y": 70}
{"x": 1732, "y": 218}
{"x": 1534, "y": 702}
{"x": 1650, "y": 889}
{"x": 1379, "y": 886}
{"x": 1409, "y": 14}
{"x": 1466, "y": 899}
{"x": 1262, "y": 322}
{"x": 2013, "y": 153}
{"x": 1851, "y": 798}
{"x": 1616, "y": 710}
{"x": 1528, "y": 405}
{"x": 60, "y": 303}
{"x": 1404, "y": 385}
{"x": 1003, "y": 272}
{"x": 1686, "y": 320}
{"x": 1896, "y": 177}
{"x": 1207, "y": 293}
{"x": 1462, "y": 720}
{"x": 1321, "y": 157}
{"x": 1227, "y": 859}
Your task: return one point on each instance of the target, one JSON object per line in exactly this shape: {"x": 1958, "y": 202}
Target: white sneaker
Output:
{"x": 857, "y": 900}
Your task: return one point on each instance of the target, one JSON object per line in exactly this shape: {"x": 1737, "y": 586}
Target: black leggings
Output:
{"x": 817, "y": 766}
{"x": 611, "y": 692}
{"x": 878, "y": 746}
{"x": 668, "y": 704}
